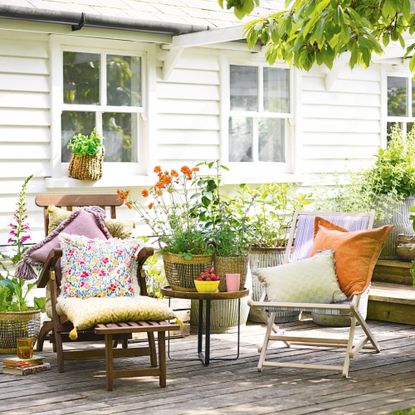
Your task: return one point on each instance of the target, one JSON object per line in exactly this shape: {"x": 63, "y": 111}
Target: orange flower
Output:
{"x": 122, "y": 195}
{"x": 157, "y": 169}
{"x": 195, "y": 169}
{"x": 144, "y": 193}
{"x": 129, "y": 205}
{"x": 160, "y": 185}
{"x": 174, "y": 173}
{"x": 185, "y": 170}
{"x": 150, "y": 205}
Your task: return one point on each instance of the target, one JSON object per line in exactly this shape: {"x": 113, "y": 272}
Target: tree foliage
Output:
{"x": 317, "y": 31}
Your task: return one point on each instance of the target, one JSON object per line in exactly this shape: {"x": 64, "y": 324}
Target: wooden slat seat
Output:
{"x": 110, "y": 329}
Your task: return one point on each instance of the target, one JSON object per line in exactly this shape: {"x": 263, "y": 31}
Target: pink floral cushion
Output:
{"x": 97, "y": 268}
{"x": 87, "y": 221}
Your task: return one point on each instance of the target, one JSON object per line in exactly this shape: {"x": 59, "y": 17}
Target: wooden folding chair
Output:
{"x": 299, "y": 246}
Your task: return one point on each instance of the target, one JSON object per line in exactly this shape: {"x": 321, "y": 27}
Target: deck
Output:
{"x": 380, "y": 383}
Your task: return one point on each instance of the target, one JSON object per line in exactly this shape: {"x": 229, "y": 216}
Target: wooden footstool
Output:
{"x": 109, "y": 329}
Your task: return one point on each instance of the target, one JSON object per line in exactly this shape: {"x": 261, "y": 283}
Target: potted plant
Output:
{"x": 87, "y": 156}
{"x": 17, "y": 317}
{"x": 171, "y": 210}
{"x": 208, "y": 281}
{"x": 269, "y": 221}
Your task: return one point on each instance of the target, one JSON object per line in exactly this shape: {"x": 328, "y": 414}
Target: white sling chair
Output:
{"x": 299, "y": 246}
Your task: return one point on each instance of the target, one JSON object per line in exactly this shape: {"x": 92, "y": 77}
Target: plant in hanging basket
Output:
{"x": 87, "y": 156}
{"x": 207, "y": 281}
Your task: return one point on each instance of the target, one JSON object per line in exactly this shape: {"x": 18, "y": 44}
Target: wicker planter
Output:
{"x": 231, "y": 265}
{"x": 86, "y": 167}
{"x": 264, "y": 258}
{"x": 180, "y": 272}
{"x": 15, "y": 324}
{"x": 401, "y": 225}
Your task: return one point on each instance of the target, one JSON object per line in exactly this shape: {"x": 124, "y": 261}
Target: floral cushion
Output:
{"x": 86, "y": 313}
{"x": 97, "y": 268}
{"x": 117, "y": 228}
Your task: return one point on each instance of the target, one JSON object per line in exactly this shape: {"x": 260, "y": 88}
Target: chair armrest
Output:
{"x": 49, "y": 264}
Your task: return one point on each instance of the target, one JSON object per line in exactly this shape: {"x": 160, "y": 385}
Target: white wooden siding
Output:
{"x": 341, "y": 127}
{"x": 188, "y": 110}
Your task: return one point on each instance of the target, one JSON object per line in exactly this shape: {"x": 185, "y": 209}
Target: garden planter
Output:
{"x": 264, "y": 258}
{"x": 86, "y": 167}
{"x": 231, "y": 265}
{"x": 14, "y": 324}
{"x": 399, "y": 218}
{"x": 223, "y": 314}
{"x": 181, "y": 272}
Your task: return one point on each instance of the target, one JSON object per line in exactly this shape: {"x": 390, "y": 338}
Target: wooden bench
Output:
{"x": 111, "y": 329}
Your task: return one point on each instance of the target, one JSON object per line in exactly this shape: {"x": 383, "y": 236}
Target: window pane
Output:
{"x": 277, "y": 90}
{"x": 271, "y": 139}
{"x": 120, "y": 136}
{"x": 81, "y": 78}
{"x": 397, "y": 96}
{"x": 74, "y": 123}
{"x": 244, "y": 88}
{"x": 124, "y": 80}
{"x": 240, "y": 139}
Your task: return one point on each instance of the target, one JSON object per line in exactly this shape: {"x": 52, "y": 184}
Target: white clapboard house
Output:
{"x": 171, "y": 82}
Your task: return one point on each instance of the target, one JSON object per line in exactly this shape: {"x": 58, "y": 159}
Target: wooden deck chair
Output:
{"x": 58, "y": 327}
{"x": 299, "y": 245}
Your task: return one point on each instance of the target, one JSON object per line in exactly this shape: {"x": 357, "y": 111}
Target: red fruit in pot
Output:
{"x": 199, "y": 278}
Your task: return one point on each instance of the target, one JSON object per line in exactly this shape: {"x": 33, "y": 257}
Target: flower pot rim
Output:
{"x": 31, "y": 311}
{"x": 268, "y": 248}
{"x": 235, "y": 256}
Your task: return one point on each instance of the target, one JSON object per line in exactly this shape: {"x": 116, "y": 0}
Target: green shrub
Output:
{"x": 86, "y": 145}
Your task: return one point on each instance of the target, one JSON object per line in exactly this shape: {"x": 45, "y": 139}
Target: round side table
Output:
{"x": 204, "y": 357}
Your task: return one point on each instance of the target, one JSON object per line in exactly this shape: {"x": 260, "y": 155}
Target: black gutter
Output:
{"x": 78, "y": 20}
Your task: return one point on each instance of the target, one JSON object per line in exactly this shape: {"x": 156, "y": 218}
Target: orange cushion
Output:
{"x": 355, "y": 252}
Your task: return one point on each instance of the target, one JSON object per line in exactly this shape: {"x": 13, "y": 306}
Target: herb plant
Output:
{"x": 86, "y": 145}
{"x": 14, "y": 291}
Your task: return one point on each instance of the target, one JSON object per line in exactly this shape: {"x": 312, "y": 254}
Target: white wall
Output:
{"x": 340, "y": 128}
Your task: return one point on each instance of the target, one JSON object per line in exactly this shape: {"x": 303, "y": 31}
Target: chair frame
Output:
{"x": 351, "y": 309}
{"x": 59, "y": 327}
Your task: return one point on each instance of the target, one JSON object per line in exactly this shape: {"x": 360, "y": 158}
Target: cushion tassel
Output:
{"x": 180, "y": 322}
{"x": 73, "y": 334}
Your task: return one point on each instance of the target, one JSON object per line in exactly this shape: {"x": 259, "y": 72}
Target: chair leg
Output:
{"x": 162, "y": 358}
{"x": 125, "y": 343}
{"x": 349, "y": 349}
{"x": 108, "y": 361}
{"x": 153, "y": 349}
{"x": 266, "y": 341}
{"x": 367, "y": 331}
{"x": 59, "y": 352}
{"x": 46, "y": 328}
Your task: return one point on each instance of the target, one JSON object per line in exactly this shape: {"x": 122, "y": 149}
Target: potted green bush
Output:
{"x": 18, "y": 318}
{"x": 87, "y": 156}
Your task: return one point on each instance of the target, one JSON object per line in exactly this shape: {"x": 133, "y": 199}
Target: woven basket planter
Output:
{"x": 265, "y": 258}
{"x": 86, "y": 167}
{"x": 401, "y": 225}
{"x": 231, "y": 265}
{"x": 15, "y": 324}
{"x": 181, "y": 272}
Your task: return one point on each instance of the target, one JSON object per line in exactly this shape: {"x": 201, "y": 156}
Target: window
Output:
{"x": 400, "y": 102}
{"x": 259, "y": 110}
{"x": 102, "y": 91}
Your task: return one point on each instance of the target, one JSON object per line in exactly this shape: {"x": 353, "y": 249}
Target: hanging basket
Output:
{"x": 181, "y": 272}
{"x": 86, "y": 167}
{"x": 15, "y": 324}
{"x": 231, "y": 265}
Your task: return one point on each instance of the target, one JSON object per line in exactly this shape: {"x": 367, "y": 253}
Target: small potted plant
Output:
{"x": 18, "y": 318}
{"x": 87, "y": 156}
{"x": 207, "y": 281}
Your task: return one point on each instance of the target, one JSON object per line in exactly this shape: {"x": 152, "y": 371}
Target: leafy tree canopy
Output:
{"x": 317, "y": 31}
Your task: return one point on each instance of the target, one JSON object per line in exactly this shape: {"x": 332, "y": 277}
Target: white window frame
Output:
{"x": 60, "y": 44}
{"x": 402, "y": 121}
{"x": 257, "y": 168}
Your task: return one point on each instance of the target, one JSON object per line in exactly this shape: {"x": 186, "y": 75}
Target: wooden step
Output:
{"x": 392, "y": 302}
{"x": 393, "y": 271}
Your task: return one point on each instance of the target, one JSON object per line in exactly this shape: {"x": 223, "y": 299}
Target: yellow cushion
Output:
{"x": 88, "y": 312}
{"x": 117, "y": 228}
